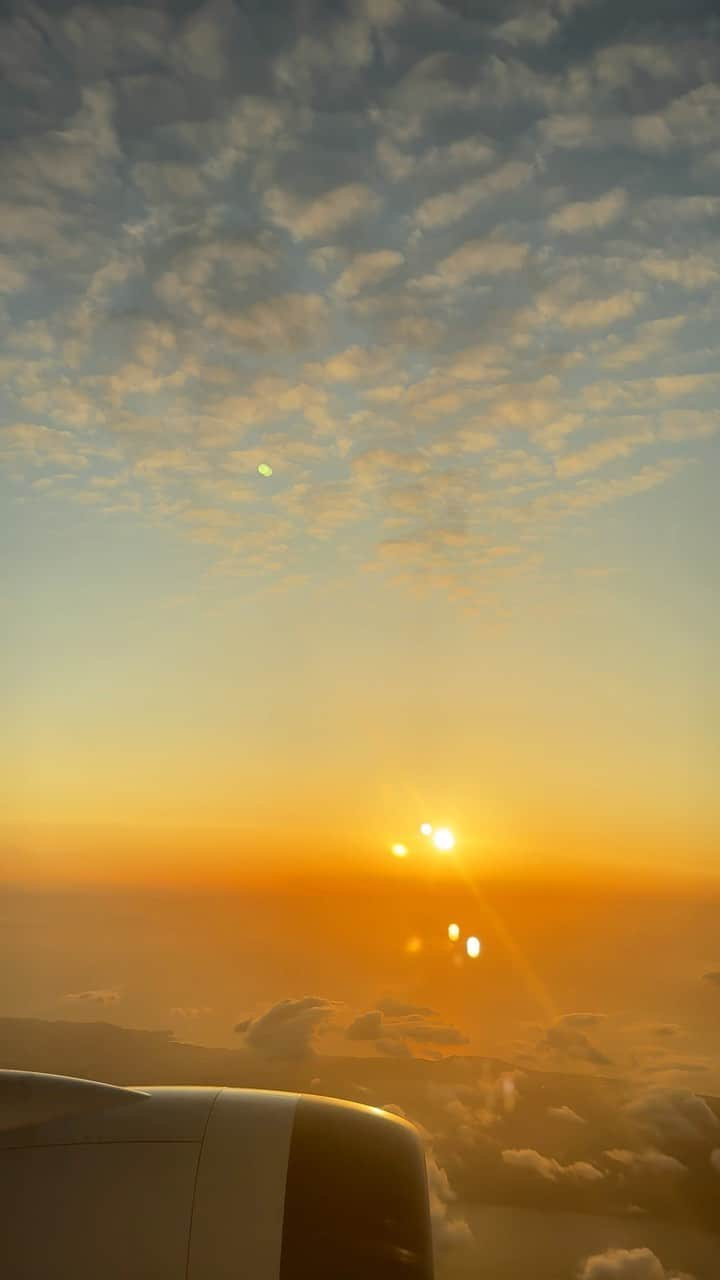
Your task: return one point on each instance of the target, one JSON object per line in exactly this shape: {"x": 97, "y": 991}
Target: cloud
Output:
{"x": 692, "y": 119}
{"x": 549, "y": 1169}
{"x": 673, "y": 1114}
{"x": 626, "y": 1264}
{"x": 532, "y": 27}
{"x": 71, "y": 159}
{"x": 695, "y": 271}
{"x": 367, "y": 269}
{"x": 589, "y": 215}
{"x": 399, "y": 1009}
{"x": 103, "y": 996}
{"x": 450, "y": 1230}
{"x": 367, "y": 1026}
{"x": 321, "y": 216}
{"x": 713, "y": 976}
{"x": 288, "y": 1028}
{"x": 185, "y": 1011}
{"x": 565, "y": 1037}
{"x": 601, "y": 452}
{"x": 649, "y": 338}
{"x": 432, "y": 1033}
{"x": 489, "y": 257}
{"x": 354, "y": 364}
{"x": 593, "y": 313}
{"x": 393, "y": 1048}
{"x": 290, "y": 321}
{"x": 12, "y": 279}
{"x": 641, "y": 1162}
{"x": 566, "y": 1114}
{"x": 451, "y": 206}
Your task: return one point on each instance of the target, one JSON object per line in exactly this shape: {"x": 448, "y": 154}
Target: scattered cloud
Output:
{"x": 589, "y": 215}
{"x": 400, "y": 1009}
{"x": 673, "y": 1114}
{"x": 367, "y": 269}
{"x": 288, "y": 1029}
{"x": 641, "y": 1162}
{"x": 449, "y": 207}
{"x": 320, "y": 216}
{"x": 103, "y": 996}
{"x": 566, "y": 1114}
{"x": 550, "y": 1169}
{"x": 626, "y": 1264}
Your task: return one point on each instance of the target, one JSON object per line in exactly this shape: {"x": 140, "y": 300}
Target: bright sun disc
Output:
{"x": 444, "y": 839}
{"x": 400, "y": 850}
{"x": 472, "y": 946}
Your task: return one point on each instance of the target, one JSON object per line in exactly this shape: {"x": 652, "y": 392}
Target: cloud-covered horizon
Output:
{"x": 453, "y": 276}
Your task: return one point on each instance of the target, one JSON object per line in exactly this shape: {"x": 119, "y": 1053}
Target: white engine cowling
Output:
{"x": 99, "y": 1182}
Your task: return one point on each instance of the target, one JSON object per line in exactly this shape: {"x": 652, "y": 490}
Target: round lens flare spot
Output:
{"x": 444, "y": 840}
{"x": 265, "y": 469}
{"x": 473, "y": 947}
{"x": 413, "y": 946}
{"x": 400, "y": 850}
{"x": 426, "y": 829}
{"x": 453, "y": 932}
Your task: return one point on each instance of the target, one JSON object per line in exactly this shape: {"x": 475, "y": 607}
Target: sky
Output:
{"x": 359, "y": 409}
{"x": 451, "y": 271}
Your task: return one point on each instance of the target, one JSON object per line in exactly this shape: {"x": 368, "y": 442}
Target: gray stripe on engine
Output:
{"x": 237, "y": 1222}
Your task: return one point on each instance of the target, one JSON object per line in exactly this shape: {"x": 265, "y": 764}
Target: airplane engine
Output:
{"x": 99, "y": 1182}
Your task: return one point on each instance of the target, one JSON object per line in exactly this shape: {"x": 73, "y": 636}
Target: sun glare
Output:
{"x": 444, "y": 839}
{"x": 453, "y": 932}
{"x": 400, "y": 850}
{"x": 473, "y": 947}
{"x": 426, "y": 829}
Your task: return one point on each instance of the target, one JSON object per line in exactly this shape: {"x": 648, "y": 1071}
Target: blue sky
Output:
{"x": 450, "y": 269}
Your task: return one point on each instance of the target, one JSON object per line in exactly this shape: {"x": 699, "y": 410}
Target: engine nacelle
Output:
{"x": 99, "y": 1182}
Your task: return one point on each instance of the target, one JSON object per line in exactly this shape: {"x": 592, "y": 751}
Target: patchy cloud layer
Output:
{"x": 452, "y": 275}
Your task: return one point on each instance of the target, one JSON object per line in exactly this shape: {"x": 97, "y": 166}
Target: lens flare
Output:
{"x": 426, "y": 829}
{"x": 444, "y": 839}
{"x": 473, "y": 947}
{"x": 400, "y": 850}
{"x": 453, "y": 932}
{"x": 413, "y": 946}
{"x": 265, "y": 469}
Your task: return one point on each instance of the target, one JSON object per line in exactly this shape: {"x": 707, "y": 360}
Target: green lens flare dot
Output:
{"x": 264, "y": 469}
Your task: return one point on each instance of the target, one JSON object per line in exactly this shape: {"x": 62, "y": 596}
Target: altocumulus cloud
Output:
{"x": 314, "y": 194}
